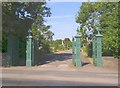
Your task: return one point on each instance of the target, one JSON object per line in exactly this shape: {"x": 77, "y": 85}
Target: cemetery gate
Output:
{"x": 96, "y": 50}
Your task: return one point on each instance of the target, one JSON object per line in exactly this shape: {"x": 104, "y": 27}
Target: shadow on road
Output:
{"x": 85, "y": 63}
{"x": 61, "y": 57}
{"x": 41, "y": 59}
{"x": 53, "y": 58}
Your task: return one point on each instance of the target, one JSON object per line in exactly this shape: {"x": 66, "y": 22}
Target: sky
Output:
{"x": 62, "y": 19}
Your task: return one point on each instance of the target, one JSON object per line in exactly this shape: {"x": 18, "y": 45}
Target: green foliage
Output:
{"x": 104, "y": 16}
{"x": 56, "y": 45}
{"x": 13, "y": 21}
{"x": 60, "y": 44}
{"x": 67, "y": 43}
{"x": 89, "y": 49}
{"x": 22, "y": 49}
{"x": 19, "y": 17}
{"x": 4, "y": 45}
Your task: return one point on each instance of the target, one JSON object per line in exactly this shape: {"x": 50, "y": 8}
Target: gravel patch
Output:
{"x": 110, "y": 63}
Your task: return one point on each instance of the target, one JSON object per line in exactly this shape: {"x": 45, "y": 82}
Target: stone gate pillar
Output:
{"x": 99, "y": 50}
{"x": 29, "y": 50}
{"x": 78, "y": 49}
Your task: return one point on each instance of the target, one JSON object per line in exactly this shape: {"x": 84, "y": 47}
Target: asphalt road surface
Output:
{"x": 58, "y": 71}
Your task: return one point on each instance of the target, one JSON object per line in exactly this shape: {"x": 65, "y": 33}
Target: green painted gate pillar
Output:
{"x": 99, "y": 50}
{"x": 73, "y": 51}
{"x": 78, "y": 47}
{"x": 29, "y": 49}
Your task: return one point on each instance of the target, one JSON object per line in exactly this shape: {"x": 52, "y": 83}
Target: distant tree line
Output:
{"x": 59, "y": 44}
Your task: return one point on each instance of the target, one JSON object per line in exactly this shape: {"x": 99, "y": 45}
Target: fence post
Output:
{"x": 78, "y": 47}
{"x": 99, "y": 50}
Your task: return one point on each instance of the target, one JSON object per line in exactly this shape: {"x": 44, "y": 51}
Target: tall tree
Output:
{"x": 103, "y": 16}
{"x": 19, "y": 17}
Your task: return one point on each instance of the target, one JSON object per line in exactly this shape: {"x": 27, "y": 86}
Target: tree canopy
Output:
{"x": 102, "y": 16}
{"x": 19, "y": 17}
